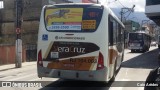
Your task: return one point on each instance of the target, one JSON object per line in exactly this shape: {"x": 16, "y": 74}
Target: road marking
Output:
{"x": 22, "y": 77}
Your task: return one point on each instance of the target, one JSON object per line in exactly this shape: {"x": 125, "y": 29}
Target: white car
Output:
{"x": 153, "y": 43}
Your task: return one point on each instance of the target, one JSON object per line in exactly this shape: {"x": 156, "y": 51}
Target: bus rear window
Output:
{"x": 135, "y": 36}
{"x": 75, "y": 18}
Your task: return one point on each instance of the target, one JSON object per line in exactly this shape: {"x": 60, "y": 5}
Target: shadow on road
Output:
{"x": 77, "y": 85}
{"x": 148, "y": 60}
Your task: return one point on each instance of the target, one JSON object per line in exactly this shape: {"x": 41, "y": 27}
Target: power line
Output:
{"x": 121, "y": 4}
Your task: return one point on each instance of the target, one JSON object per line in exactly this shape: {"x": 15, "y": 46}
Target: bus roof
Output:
{"x": 111, "y": 12}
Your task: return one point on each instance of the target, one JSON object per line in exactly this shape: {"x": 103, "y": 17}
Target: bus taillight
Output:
{"x": 100, "y": 64}
{"x": 40, "y": 62}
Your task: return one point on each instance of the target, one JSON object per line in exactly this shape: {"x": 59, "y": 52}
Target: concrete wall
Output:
{"x": 34, "y": 3}
{"x": 31, "y": 14}
{"x": 7, "y": 54}
{"x": 30, "y": 26}
{"x": 31, "y": 10}
{"x": 8, "y": 28}
{"x": 29, "y": 32}
{"x": 8, "y": 15}
{"x": 8, "y": 39}
{"x": 9, "y": 4}
{"x": 8, "y": 34}
{"x": 29, "y": 38}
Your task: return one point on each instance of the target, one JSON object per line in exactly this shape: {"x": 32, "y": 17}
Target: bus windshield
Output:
{"x": 135, "y": 36}
{"x": 73, "y": 18}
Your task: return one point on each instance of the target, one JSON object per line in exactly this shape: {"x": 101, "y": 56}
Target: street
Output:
{"x": 135, "y": 67}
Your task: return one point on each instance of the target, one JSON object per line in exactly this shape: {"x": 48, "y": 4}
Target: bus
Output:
{"x": 139, "y": 41}
{"x": 80, "y": 42}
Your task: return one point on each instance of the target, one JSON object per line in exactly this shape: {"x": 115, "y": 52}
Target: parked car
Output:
{"x": 154, "y": 43}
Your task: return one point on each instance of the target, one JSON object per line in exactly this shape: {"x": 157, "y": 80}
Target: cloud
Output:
{"x": 140, "y": 4}
{"x": 139, "y": 8}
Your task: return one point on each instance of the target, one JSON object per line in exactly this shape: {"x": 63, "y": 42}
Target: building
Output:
{"x": 29, "y": 29}
{"x": 131, "y": 26}
{"x": 152, "y": 10}
{"x": 149, "y": 29}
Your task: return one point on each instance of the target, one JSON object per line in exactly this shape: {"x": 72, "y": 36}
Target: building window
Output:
{"x": 152, "y": 2}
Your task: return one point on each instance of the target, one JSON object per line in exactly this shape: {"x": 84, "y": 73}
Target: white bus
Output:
{"x": 139, "y": 41}
{"x": 79, "y": 42}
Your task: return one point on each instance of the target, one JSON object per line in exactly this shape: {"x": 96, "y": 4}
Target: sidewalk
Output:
{"x": 12, "y": 66}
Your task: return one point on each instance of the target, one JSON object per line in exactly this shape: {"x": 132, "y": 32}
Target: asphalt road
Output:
{"x": 135, "y": 68}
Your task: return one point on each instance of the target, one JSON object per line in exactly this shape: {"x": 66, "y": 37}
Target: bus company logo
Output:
{"x": 71, "y": 49}
{"x": 6, "y": 84}
{"x": 75, "y": 38}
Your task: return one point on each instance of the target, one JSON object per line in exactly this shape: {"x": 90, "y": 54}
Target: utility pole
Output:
{"x": 18, "y": 22}
{"x": 124, "y": 11}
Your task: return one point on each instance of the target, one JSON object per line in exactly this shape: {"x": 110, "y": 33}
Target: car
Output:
{"x": 154, "y": 43}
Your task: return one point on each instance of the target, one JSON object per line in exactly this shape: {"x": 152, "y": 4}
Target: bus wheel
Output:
{"x": 144, "y": 50}
{"x": 132, "y": 50}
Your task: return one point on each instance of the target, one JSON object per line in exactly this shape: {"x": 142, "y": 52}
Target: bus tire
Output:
{"x": 144, "y": 50}
{"x": 132, "y": 50}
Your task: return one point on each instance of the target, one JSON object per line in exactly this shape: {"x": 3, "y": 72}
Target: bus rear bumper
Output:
{"x": 97, "y": 75}
{"x": 135, "y": 48}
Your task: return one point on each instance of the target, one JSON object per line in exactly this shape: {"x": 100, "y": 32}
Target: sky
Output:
{"x": 139, "y": 4}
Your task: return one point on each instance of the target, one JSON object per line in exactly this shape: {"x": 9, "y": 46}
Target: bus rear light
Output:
{"x": 40, "y": 62}
{"x": 100, "y": 64}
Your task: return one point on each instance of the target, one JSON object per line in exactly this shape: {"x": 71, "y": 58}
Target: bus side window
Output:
{"x": 115, "y": 29}
{"x": 119, "y": 32}
{"x": 110, "y": 31}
